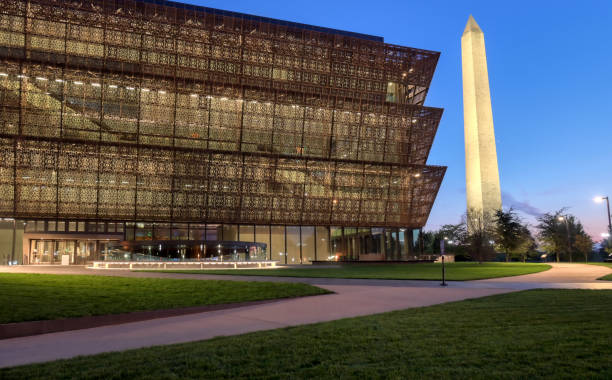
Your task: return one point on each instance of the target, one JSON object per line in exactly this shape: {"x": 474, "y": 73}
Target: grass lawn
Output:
{"x": 425, "y": 271}
{"x": 531, "y": 334}
{"x": 606, "y": 277}
{"x": 32, "y": 297}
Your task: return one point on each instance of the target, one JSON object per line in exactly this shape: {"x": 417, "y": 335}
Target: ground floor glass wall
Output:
{"x": 300, "y": 244}
{"x": 45, "y": 243}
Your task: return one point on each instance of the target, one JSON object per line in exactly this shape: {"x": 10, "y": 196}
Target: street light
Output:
{"x": 569, "y": 243}
{"x": 601, "y": 199}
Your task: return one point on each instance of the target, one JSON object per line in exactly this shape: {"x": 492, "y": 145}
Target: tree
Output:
{"x": 508, "y": 231}
{"x": 550, "y": 233}
{"x": 454, "y": 233}
{"x": 478, "y": 237}
{"x": 583, "y": 244}
{"x": 558, "y": 232}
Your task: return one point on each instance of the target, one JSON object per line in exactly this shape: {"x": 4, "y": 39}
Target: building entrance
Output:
{"x": 51, "y": 251}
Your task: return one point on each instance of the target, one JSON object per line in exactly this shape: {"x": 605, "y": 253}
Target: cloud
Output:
{"x": 524, "y": 206}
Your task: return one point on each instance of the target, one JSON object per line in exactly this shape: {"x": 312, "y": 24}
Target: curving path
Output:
{"x": 353, "y": 297}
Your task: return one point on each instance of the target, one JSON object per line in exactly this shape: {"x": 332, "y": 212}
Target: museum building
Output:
{"x": 165, "y": 130}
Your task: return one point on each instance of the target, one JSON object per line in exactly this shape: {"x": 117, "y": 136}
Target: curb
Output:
{"x": 21, "y": 329}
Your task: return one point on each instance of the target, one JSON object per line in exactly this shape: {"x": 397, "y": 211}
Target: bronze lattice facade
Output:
{"x": 160, "y": 112}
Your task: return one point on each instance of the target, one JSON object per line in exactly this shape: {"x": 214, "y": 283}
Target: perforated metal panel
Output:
{"x": 131, "y": 110}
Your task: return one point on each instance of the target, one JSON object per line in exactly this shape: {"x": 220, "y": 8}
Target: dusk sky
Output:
{"x": 550, "y": 71}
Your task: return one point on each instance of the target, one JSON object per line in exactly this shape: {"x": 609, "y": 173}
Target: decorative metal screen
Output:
{"x": 155, "y": 111}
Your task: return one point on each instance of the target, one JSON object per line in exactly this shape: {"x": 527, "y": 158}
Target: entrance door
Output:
{"x": 42, "y": 251}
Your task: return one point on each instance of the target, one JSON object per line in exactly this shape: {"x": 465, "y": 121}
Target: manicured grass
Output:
{"x": 531, "y": 334}
{"x": 425, "y": 271}
{"x": 31, "y": 297}
{"x": 606, "y": 277}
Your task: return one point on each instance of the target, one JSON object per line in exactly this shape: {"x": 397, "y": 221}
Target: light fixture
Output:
{"x": 41, "y": 78}
{"x": 59, "y": 80}
{"x": 144, "y": 90}
{"x": 112, "y": 86}
{"x": 77, "y": 82}
{"x": 130, "y": 88}
{"x": 3, "y": 75}
{"x": 96, "y": 84}
{"x": 194, "y": 95}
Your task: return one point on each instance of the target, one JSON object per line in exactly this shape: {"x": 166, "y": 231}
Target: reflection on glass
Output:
{"x": 308, "y": 244}
{"x": 277, "y": 245}
{"x": 323, "y": 251}
{"x": 293, "y": 245}
{"x": 262, "y": 235}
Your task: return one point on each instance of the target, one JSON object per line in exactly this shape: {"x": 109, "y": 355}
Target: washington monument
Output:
{"x": 481, "y": 172}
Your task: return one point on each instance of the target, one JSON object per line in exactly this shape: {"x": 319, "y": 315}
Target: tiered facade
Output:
{"x": 145, "y": 112}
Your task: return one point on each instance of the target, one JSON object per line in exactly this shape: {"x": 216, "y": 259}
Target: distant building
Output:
{"x": 190, "y": 132}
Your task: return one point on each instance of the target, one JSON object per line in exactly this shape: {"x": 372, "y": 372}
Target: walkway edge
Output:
{"x": 21, "y": 329}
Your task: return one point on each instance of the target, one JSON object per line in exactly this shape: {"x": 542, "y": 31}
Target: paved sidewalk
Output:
{"x": 352, "y": 298}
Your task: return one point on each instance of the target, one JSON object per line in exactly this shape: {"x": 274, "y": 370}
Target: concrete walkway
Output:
{"x": 352, "y": 298}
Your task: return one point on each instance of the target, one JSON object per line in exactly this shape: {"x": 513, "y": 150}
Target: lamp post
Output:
{"x": 442, "y": 252}
{"x": 569, "y": 243}
{"x": 601, "y": 199}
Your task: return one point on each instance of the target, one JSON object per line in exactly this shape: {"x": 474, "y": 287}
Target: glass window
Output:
{"x": 144, "y": 231}
{"x": 308, "y": 244}
{"x": 61, "y": 226}
{"x": 92, "y": 227}
{"x": 247, "y": 233}
{"x": 293, "y": 245}
{"x": 51, "y": 226}
{"x": 81, "y": 226}
{"x": 30, "y": 226}
{"x": 351, "y": 243}
{"x": 377, "y": 243}
{"x": 110, "y": 227}
{"x": 197, "y": 232}
{"x": 129, "y": 231}
{"x": 262, "y": 235}
{"x": 40, "y": 226}
{"x": 213, "y": 232}
{"x": 72, "y": 226}
{"x": 180, "y": 231}
{"x": 402, "y": 244}
{"x": 323, "y": 252}
{"x": 391, "y": 244}
{"x": 416, "y": 242}
{"x": 101, "y": 227}
{"x": 230, "y": 232}
{"x": 161, "y": 231}
{"x": 119, "y": 227}
{"x": 277, "y": 245}
{"x": 337, "y": 244}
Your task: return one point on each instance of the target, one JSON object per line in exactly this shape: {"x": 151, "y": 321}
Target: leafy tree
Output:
{"x": 478, "y": 238}
{"x": 454, "y": 233}
{"x": 583, "y": 244}
{"x": 527, "y": 246}
{"x": 558, "y": 233}
{"x": 550, "y": 233}
{"x": 508, "y": 231}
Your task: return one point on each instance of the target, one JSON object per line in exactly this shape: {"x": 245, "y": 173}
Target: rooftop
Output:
{"x": 264, "y": 19}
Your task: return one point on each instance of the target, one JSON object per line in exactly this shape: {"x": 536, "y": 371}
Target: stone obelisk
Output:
{"x": 481, "y": 171}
